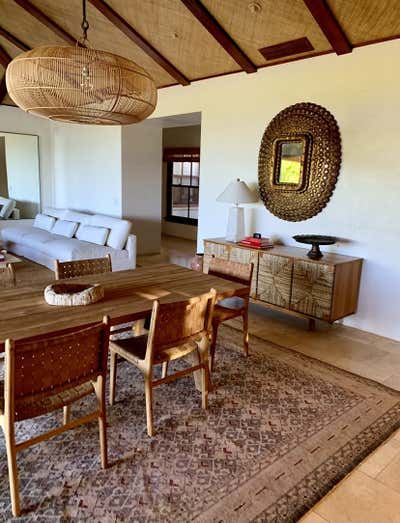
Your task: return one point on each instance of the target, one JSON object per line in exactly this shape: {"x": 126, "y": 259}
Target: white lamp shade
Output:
{"x": 237, "y": 192}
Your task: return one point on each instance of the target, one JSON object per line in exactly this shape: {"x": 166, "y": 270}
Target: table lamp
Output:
{"x": 237, "y": 192}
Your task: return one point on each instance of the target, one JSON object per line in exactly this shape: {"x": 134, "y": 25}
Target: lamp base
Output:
{"x": 235, "y": 229}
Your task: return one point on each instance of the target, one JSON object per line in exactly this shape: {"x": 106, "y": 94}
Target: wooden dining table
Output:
{"x": 128, "y": 296}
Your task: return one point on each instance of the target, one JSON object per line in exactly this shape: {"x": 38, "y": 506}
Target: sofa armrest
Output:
{"x": 131, "y": 248}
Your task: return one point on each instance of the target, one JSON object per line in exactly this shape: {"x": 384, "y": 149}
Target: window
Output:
{"x": 183, "y": 176}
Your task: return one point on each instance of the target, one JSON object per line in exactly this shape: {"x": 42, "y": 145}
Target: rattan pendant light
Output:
{"x": 81, "y": 85}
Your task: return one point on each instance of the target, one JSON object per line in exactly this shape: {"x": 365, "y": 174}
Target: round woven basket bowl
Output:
{"x": 73, "y": 294}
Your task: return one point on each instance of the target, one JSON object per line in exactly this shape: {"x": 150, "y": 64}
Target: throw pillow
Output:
{"x": 93, "y": 234}
{"x": 65, "y": 228}
{"x": 42, "y": 221}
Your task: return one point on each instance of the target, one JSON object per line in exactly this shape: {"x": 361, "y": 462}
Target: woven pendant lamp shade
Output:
{"x": 81, "y": 85}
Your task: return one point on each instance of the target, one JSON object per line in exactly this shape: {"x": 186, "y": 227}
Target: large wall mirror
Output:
{"x": 299, "y": 161}
{"x": 19, "y": 174}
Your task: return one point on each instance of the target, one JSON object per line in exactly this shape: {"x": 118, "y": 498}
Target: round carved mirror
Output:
{"x": 299, "y": 161}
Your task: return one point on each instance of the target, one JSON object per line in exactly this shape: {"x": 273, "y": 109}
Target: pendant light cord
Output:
{"x": 85, "y": 23}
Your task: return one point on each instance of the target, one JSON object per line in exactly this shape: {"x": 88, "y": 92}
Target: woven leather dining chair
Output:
{"x": 45, "y": 373}
{"x": 75, "y": 268}
{"x": 176, "y": 330}
{"x": 7, "y": 277}
{"x": 233, "y": 307}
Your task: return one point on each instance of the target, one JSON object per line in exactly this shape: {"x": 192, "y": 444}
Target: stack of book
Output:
{"x": 256, "y": 243}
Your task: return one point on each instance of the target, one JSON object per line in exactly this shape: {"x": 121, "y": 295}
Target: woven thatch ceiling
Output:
{"x": 179, "y": 41}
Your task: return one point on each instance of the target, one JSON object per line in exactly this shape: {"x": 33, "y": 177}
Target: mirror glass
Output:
{"x": 19, "y": 175}
{"x": 291, "y": 155}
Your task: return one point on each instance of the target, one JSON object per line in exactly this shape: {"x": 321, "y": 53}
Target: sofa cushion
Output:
{"x": 65, "y": 228}
{"x": 42, "y": 221}
{"x": 92, "y": 233}
{"x": 66, "y": 249}
{"x": 15, "y": 234}
{"x": 119, "y": 229}
{"x": 37, "y": 238}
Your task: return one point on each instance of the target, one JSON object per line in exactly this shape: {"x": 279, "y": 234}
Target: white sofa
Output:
{"x": 45, "y": 239}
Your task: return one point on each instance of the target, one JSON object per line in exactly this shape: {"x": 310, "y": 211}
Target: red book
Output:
{"x": 243, "y": 243}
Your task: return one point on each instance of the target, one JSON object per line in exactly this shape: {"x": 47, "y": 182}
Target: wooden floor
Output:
{"x": 371, "y": 493}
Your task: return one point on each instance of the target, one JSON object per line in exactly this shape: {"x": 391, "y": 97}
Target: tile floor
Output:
{"x": 371, "y": 493}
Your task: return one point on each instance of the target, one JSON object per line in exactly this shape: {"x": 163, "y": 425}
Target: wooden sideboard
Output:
{"x": 285, "y": 279}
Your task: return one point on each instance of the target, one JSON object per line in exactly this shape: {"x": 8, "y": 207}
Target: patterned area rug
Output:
{"x": 281, "y": 430}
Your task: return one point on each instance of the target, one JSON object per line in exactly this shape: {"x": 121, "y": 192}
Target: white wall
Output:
{"x": 87, "y": 168}
{"x": 142, "y": 183}
{"x": 14, "y": 120}
{"x": 362, "y": 91}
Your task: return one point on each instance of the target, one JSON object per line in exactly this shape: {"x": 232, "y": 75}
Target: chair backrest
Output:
{"x": 7, "y": 276}
{"x": 174, "y": 323}
{"x": 73, "y": 269}
{"x": 234, "y": 271}
{"x": 43, "y": 366}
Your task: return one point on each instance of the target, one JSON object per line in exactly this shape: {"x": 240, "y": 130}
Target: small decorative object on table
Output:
{"x": 256, "y": 242}
{"x": 196, "y": 263}
{"x": 315, "y": 240}
{"x": 70, "y": 294}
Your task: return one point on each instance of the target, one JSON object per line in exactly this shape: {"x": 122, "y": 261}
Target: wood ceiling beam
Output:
{"x": 5, "y": 58}
{"x": 218, "y": 32}
{"x": 329, "y": 26}
{"x": 135, "y": 37}
{"x": 46, "y": 21}
{"x": 13, "y": 39}
{"x": 3, "y": 89}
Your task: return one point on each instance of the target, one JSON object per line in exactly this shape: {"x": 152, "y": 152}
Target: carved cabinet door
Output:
{"x": 274, "y": 279}
{"x": 214, "y": 249}
{"x": 312, "y": 289}
{"x": 246, "y": 256}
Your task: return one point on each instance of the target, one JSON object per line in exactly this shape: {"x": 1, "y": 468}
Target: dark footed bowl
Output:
{"x": 315, "y": 240}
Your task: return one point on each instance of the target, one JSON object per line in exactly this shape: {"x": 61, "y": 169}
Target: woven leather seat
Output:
{"x": 134, "y": 348}
{"x": 32, "y": 407}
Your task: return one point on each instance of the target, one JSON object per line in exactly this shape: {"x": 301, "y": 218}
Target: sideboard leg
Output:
{"x": 311, "y": 324}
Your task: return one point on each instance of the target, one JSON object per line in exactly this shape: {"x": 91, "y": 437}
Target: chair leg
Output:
{"x": 148, "y": 388}
{"x": 213, "y": 345}
{"x": 204, "y": 386}
{"x": 113, "y": 375}
{"x": 12, "y": 470}
{"x": 66, "y": 414}
{"x": 245, "y": 318}
{"x": 99, "y": 388}
{"x": 164, "y": 371}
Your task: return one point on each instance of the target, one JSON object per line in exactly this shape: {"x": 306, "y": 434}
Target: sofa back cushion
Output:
{"x": 75, "y": 216}
{"x": 92, "y": 234}
{"x": 65, "y": 228}
{"x": 56, "y": 213}
{"x": 119, "y": 229}
{"x": 42, "y": 221}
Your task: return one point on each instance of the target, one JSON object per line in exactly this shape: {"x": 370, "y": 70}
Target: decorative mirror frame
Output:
{"x": 318, "y": 128}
